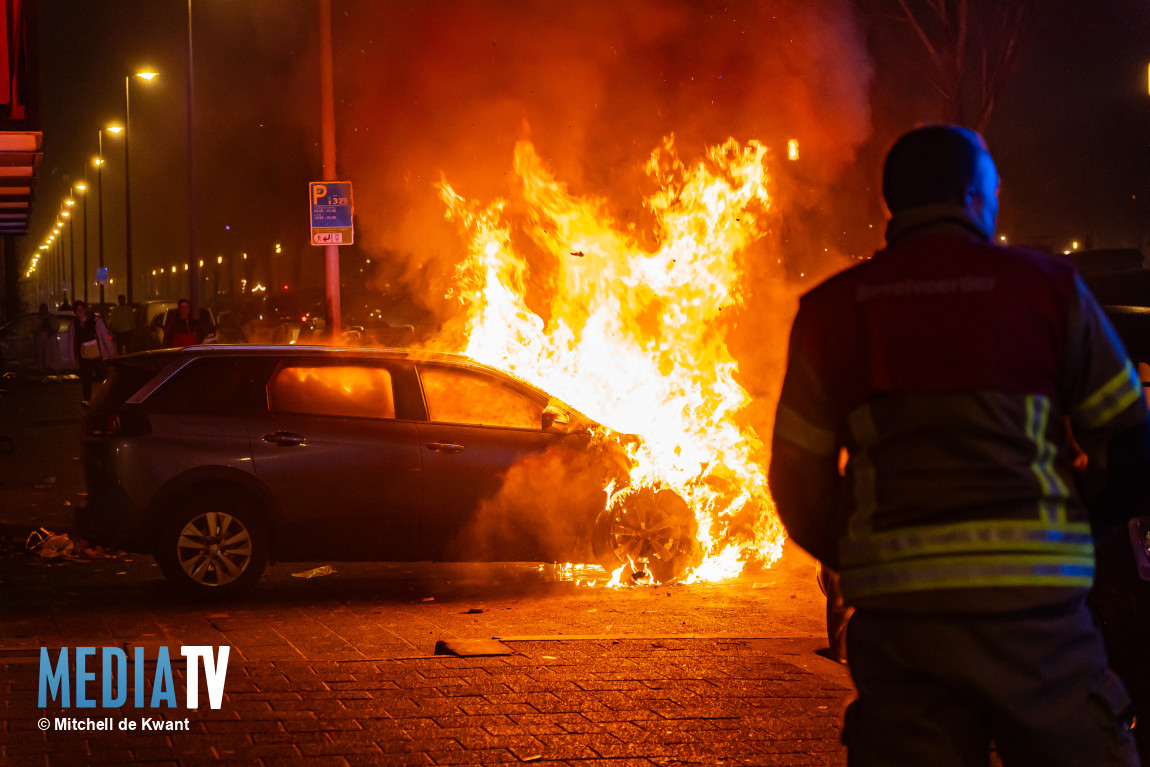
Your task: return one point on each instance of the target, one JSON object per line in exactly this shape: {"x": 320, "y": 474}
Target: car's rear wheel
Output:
{"x": 213, "y": 546}
{"x": 651, "y": 531}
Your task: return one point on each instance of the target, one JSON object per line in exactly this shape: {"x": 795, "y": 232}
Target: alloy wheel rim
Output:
{"x": 214, "y": 548}
{"x": 645, "y": 533}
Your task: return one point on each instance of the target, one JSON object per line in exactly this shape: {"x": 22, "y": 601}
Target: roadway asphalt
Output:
{"x": 348, "y": 668}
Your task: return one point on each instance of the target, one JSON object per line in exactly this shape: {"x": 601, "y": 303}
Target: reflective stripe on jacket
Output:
{"x": 953, "y": 373}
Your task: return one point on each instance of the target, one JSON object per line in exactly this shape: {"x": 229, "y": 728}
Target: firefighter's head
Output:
{"x": 942, "y": 165}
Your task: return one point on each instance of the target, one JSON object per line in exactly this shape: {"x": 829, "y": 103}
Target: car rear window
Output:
{"x": 215, "y": 386}
{"x": 357, "y": 391}
{"x": 125, "y": 378}
{"x": 464, "y": 396}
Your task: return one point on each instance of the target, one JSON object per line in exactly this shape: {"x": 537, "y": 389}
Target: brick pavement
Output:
{"x": 590, "y": 701}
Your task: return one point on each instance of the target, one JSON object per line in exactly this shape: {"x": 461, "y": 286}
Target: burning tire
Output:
{"x": 652, "y": 531}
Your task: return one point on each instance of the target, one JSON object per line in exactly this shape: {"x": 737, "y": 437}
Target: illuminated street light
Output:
{"x": 69, "y": 203}
{"x": 81, "y": 188}
{"x": 147, "y": 76}
{"x": 99, "y": 210}
{"x": 113, "y": 128}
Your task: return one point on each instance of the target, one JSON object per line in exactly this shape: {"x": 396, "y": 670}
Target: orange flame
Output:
{"x": 635, "y": 337}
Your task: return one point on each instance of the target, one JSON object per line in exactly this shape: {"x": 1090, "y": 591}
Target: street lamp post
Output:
{"x": 100, "y": 208}
{"x": 100, "y": 199}
{"x": 72, "y": 245}
{"x": 193, "y": 271}
{"x": 128, "y": 177}
{"x": 70, "y": 287}
{"x": 60, "y": 262}
{"x": 58, "y": 266}
{"x": 327, "y": 132}
{"x": 82, "y": 188}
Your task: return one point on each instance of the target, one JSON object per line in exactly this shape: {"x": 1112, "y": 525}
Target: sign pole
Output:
{"x": 331, "y": 250}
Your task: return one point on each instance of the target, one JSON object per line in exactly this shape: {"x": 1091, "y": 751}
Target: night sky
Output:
{"x": 431, "y": 90}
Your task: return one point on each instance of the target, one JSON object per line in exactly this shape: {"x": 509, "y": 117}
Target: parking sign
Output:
{"x": 331, "y": 213}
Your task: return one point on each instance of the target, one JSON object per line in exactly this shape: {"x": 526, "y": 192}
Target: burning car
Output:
{"x": 219, "y": 459}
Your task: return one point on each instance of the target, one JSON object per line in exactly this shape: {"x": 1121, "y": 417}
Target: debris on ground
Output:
{"x": 49, "y": 545}
{"x": 55, "y": 546}
{"x": 315, "y": 572}
{"x": 473, "y": 611}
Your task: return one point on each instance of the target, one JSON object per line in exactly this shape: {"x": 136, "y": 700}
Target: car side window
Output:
{"x": 356, "y": 391}
{"x": 214, "y": 386}
{"x": 464, "y": 396}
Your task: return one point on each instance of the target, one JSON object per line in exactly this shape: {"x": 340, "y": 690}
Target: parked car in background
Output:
{"x": 150, "y": 322}
{"x": 383, "y": 320}
{"x": 218, "y": 459}
{"x": 18, "y": 345}
{"x": 287, "y": 318}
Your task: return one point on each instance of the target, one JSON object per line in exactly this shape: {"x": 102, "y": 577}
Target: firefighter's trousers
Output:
{"x": 938, "y": 690}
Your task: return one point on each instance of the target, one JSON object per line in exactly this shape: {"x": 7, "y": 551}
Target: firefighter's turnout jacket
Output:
{"x": 954, "y": 374}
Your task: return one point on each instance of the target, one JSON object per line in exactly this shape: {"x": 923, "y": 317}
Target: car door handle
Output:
{"x": 284, "y": 438}
{"x": 445, "y": 447}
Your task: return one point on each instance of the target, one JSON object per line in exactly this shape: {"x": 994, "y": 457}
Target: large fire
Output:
{"x": 634, "y": 335}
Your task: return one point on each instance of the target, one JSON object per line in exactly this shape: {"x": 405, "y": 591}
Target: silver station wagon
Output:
{"x": 219, "y": 459}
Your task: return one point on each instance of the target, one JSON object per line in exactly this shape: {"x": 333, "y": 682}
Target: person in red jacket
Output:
{"x": 953, "y": 378}
{"x": 182, "y": 329}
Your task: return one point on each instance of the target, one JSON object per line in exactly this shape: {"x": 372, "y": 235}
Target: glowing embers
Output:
{"x": 633, "y": 332}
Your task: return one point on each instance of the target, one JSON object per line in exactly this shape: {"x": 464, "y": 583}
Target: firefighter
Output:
{"x": 956, "y": 375}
